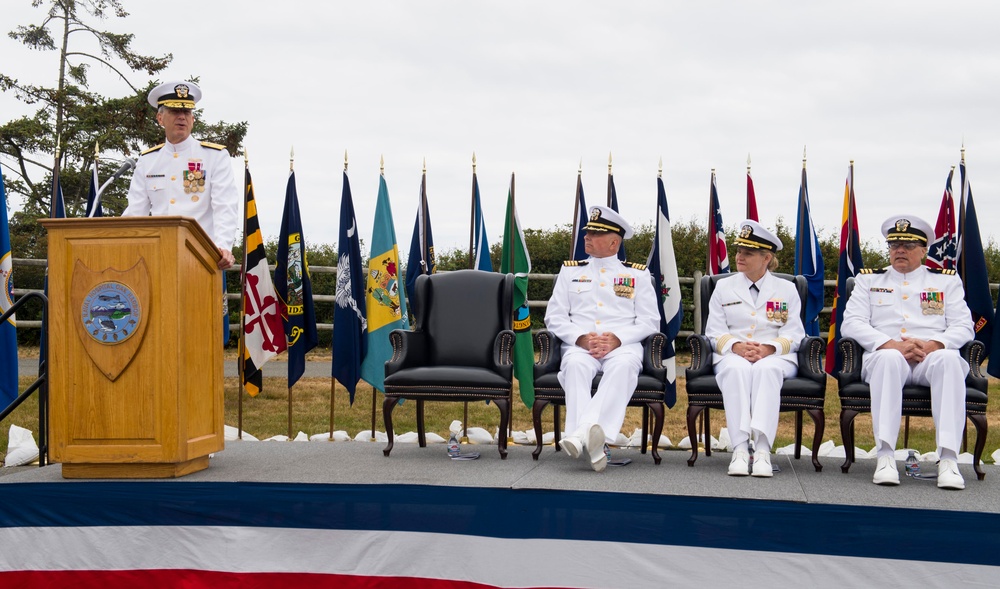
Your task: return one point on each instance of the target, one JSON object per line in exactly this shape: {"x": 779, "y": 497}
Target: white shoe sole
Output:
{"x": 571, "y": 447}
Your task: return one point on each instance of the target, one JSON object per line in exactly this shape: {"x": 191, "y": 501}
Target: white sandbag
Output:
{"x": 478, "y": 435}
{"x": 834, "y": 452}
{"x": 996, "y": 456}
{"x": 21, "y": 447}
{"x": 433, "y": 438}
{"x": 338, "y": 436}
{"x": 278, "y": 438}
{"x": 828, "y": 447}
{"x": 550, "y": 438}
{"x": 301, "y": 437}
{"x": 789, "y": 450}
{"x": 233, "y": 433}
{"x": 366, "y": 436}
{"x": 407, "y": 438}
{"x": 635, "y": 440}
{"x": 525, "y": 438}
{"x": 725, "y": 442}
{"x": 685, "y": 444}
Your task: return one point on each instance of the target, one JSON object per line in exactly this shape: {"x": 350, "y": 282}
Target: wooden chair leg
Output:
{"x": 645, "y": 424}
{"x": 982, "y": 427}
{"x": 556, "y": 431}
{"x": 504, "y": 406}
{"x": 847, "y": 435}
{"x": 421, "y": 434}
{"x": 965, "y": 438}
{"x": 819, "y": 422}
{"x": 906, "y": 433}
{"x": 387, "y": 406}
{"x": 708, "y": 432}
{"x": 536, "y": 420}
{"x": 657, "y": 410}
{"x": 798, "y": 434}
{"x": 692, "y": 423}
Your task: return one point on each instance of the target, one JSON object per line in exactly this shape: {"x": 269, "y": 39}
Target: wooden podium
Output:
{"x": 135, "y": 350}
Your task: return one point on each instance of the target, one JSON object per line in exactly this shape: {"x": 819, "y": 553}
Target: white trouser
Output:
{"x": 607, "y": 407}
{"x": 944, "y": 371}
{"x": 751, "y": 393}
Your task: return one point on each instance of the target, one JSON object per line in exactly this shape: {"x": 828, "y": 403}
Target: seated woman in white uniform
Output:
{"x": 755, "y": 330}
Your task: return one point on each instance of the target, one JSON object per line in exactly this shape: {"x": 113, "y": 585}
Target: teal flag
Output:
{"x": 516, "y": 260}
{"x": 386, "y": 308}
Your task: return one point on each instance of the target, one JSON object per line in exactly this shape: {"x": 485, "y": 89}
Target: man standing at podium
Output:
{"x": 184, "y": 176}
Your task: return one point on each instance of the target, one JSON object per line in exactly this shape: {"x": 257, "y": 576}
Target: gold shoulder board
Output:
{"x": 213, "y": 145}
{"x": 152, "y": 149}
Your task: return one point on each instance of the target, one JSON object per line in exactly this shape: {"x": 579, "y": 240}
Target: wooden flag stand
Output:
{"x": 135, "y": 375}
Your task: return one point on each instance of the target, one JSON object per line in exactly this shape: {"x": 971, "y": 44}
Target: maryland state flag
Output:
{"x": 291, "y": 279}
{"x": 849, "y": 265}
{"x": 262, "y": 333}
{"x": 516, "y": 260}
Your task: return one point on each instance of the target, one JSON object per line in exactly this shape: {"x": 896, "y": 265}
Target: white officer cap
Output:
{"x": 754, "y": 236}
{"x": 604, "y": 220}
{"x": 174, "y": 95}
{"x": 907, "y": 228}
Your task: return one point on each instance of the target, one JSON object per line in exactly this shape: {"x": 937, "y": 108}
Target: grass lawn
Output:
{"x": 267, "y": 415}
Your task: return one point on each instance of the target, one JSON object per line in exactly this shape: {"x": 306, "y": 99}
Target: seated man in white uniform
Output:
{"x": 755, "y": 326}
{"x": 184, "y": 176}
{"x": 911, "y": 321}
{"x": 602, "y": 309}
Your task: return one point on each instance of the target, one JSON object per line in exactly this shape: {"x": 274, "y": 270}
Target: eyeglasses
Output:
{"x": 905, "y": 245}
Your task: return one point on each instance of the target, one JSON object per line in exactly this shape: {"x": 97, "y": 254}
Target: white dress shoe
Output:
{"x": 762, "y": 464}
{"x": 595, "y": 448}
{"x": 572, "y": 445}
{"x": 948, "y": 476}
{"x": 886, "y": 472}
{"x": 739, "y": 466}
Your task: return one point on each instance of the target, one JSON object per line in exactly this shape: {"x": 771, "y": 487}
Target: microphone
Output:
{"x": 127, "y": 165}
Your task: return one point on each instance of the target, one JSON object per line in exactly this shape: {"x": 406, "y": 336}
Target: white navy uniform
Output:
{"x": 594, "y": 296}
{"x": 212, "y": 199}
{"x": 924, "y": 304}
{"x": 751, "y": 392}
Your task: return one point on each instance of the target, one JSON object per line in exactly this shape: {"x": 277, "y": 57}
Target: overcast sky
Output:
{"x": 536, "y": 87}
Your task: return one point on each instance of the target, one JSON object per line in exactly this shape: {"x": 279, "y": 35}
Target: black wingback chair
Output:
{"x": 459, "y": 349}
{"x": 648, "y": 394}
{"x": 855, "y": 395}
{"x": 804, "y": 392}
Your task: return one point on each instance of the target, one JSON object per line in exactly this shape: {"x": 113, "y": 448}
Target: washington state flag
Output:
{"x": 386, "y": 308}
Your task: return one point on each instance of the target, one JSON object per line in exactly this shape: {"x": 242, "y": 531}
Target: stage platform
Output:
{"x": 342, "y": 514}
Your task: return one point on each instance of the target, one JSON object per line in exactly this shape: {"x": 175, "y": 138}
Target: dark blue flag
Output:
{"x": 577, "y": 249}
{"x": 294, "y": 287}
{"x": 663, "y": 268}
{"x": 480, "y": 244}
{"x": 809, "y": 258}
{"x": 972, "y": 266}
{"x": 613, "y": 205}
{"x": 8, "y": 329}
{"x": 350, "y": 323}
{"x": 94, "y": 208}
{"x": 421, "y": 257}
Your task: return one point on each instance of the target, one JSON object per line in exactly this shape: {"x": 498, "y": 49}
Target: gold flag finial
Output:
{"x": 473, "y": 162}
{"x": 97, "y": 148}
{"x": 659, "y": 173}
{"x": 345, "y": 160}
{"x": 425, "y": 164}
{"x": 803, "y": 157}
{"x": 748, "y": 162}
{"x": 963, "y": 150}
{"x": 579, "y": 170}
{"x": 381, "y": 165}
{"x": 609, "y": 162}
{"x": 246, "y": 157}
{"x": 291, "y": 159}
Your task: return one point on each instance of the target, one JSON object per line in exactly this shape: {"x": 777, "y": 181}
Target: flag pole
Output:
{"x": 472, "y": 216}
{"x": 961, "y": 220}
{"x": 291, "y": 168}
{"x": 381, "y": 171}
{"x": 748, "y": 185}
{"x": 711, "y": 224}
{"x": 609, "y": 179}
{"x": 472, "y": 266}
{"x": 513, "y": 213}
{"x": 576, "y": 211}
{"x": 55, "y": 183}
{"x": 241, "y": 348}
{"x": 800, "y": 244}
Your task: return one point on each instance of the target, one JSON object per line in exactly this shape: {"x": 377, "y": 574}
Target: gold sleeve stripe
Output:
{"x": 786, "y": 344}
{"x": 720, "y": 344}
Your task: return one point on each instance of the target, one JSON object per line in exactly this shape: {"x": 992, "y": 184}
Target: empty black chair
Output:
{"x": 459, "y": 349}
{"x": 804, "y": 392}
